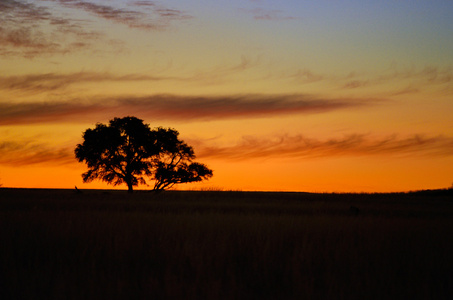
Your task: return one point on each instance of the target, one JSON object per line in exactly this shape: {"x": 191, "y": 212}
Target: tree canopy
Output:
{"x": 127, "y": 151}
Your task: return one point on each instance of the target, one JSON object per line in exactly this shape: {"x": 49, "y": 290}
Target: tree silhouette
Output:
{"x": 174, "y": 163}
{"x": 127, "y": 150}
{"x": 117, "y": 153}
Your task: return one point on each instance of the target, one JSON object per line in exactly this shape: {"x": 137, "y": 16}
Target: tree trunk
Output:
{"x": 128, "y": 180}
{"x": 129, "y": 186}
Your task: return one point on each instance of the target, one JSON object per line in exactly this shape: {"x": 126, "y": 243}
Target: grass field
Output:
{"x": 59, "y": 244}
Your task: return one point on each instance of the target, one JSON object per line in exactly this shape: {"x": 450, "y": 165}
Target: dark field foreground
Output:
{"x": 59, "y": 244}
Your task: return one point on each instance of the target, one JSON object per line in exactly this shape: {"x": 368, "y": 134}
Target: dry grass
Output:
{"x": 57, "y": 244}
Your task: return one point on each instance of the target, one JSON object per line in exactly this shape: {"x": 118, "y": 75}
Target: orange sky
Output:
{"x": 273, "y": 95}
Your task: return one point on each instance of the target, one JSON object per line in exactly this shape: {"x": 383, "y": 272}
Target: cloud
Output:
{"x": 407, "y": 90}
{"x": 395, "y": 81}
{"x": 45, "y": 82}
{"x": 32, "y": 41}
{"x": 31, "y": 29}
{"x": 17, "y": 18}
{"x": 221, "y": 72}
{"x": 307, "y": 76}
{"x": 268, "y": 15}
{"x": 354, "y": 84}
{"x": 173, "y": 107}
{"x": 144, "y": 3}
{"x": 429, "y": 74}
{"x": 149, "y": 16}
{"x": 14, "y": 153}
{"x": 417, "y": 79}
{"x": 11, "y": 9}
{"x": 299, "y": 146}
{"x": 55, "y": 81}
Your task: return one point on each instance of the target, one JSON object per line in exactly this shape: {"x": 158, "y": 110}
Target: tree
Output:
{"x": 117, "y": 153}
{"x": 174, "y": 164}
{"x": 126, "y": 151}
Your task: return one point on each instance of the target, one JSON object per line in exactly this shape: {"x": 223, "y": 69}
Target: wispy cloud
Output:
{"x": 224, "y": 72}
{"x": 410, "y": 89}
{"x": 353, "y": 84}
{"x": 21, "y": 153}
{"x": 429, "y": 74}
{"x": 31, "y": 29}
{"x": 306, "y": 76}
{"x": 44, "y": 82}
{"x": 55, "y": 81}
{"x": 24, "y": 10}
{"x": 149, "y": 15}
{"x": 299, "y": 146}
{"x": 268, "y": 14}
{"x": 411, "y": 80}
{"x": 174, "y": 107}
{"x": 16, "y": 18}
{"x": 395, "y": 81}
{"x": 13, "y": 153}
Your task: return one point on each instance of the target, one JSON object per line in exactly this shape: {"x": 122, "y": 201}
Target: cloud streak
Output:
{"x": 13, "y": 153}
{"x": 268, "y": 14}
{"x": 149, "y": 16}
{"x": 412, "y": 80}
{"x": 173, "y": 107}
{"x": 299, "y": 146}
{"x": 31, "y": 29}
{"x": 55, "y": 81}
{"x": 45, "y": 82}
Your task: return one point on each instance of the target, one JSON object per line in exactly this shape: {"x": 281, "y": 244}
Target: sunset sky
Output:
{"x": 290, "y": 95}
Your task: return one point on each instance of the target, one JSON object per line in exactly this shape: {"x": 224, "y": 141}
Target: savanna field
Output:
{"x": 94, "y": 244}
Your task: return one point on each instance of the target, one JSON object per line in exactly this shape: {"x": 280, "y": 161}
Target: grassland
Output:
{"x": 59, "y": 244}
